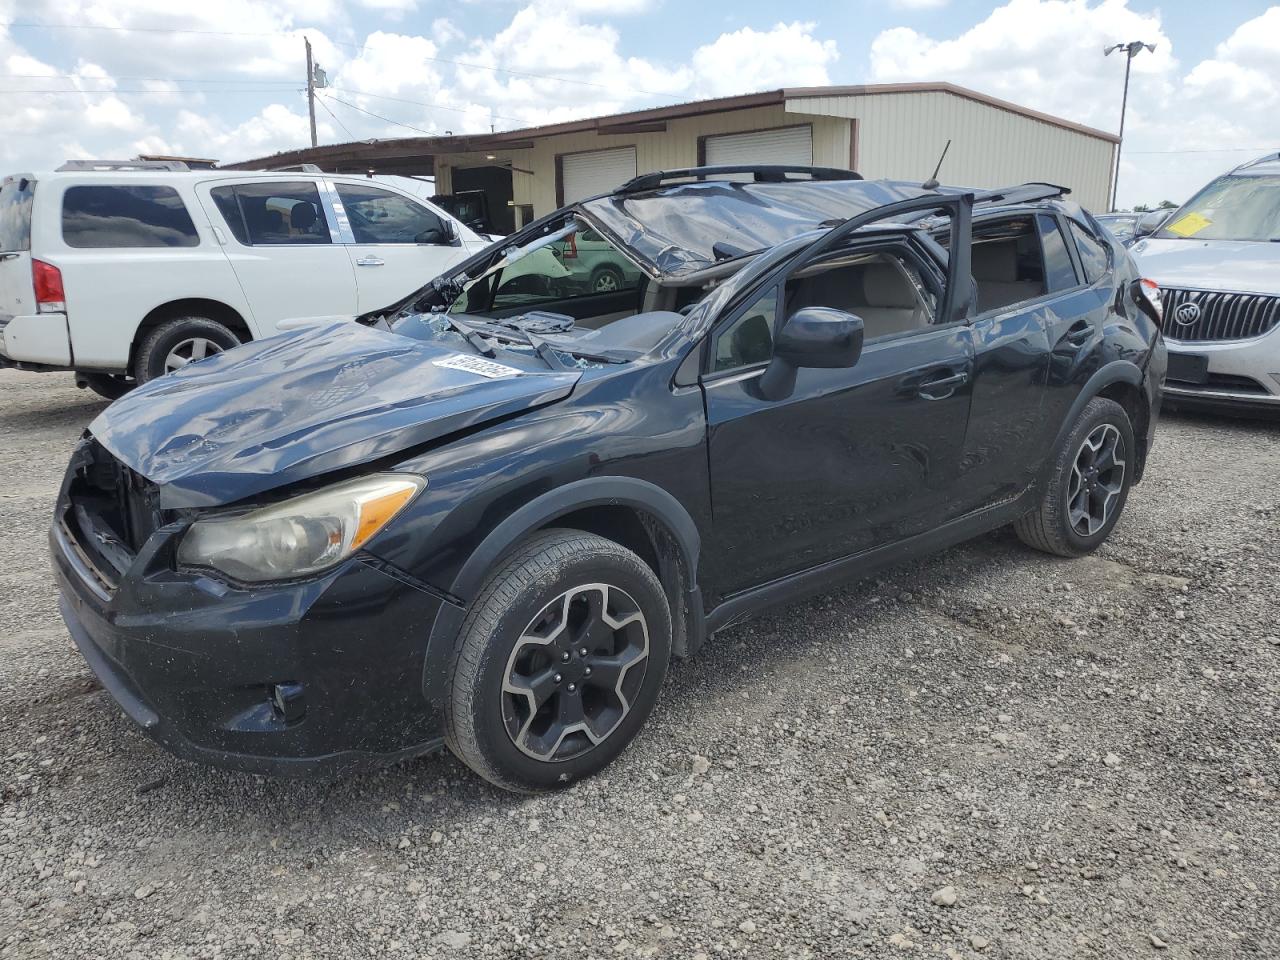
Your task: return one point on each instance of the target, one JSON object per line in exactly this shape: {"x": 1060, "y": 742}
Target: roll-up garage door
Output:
{"x": 789, "y": 145}
{"x": 587, "y": 174}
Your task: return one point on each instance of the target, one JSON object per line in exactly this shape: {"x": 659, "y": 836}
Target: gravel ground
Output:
{"x": 991, "y": 753}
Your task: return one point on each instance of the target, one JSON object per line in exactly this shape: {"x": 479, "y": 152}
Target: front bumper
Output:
{"x": 1242, "y": 374}
{"x": 193, "y": 662}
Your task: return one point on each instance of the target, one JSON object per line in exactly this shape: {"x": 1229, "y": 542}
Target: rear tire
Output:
{"x": 560, "y": 662}
{"x": 1088, "y": 484}
{"x": 175, "y": 343}
{"x": 109, "y": 386}
{"x": 607, "y": 280}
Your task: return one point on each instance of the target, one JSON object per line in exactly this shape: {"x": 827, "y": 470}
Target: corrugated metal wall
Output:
{"x": 901, "y": 136}
{"x": 677, "y": 147}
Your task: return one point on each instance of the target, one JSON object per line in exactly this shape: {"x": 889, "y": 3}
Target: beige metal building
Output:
{"x": 896, "y": 131}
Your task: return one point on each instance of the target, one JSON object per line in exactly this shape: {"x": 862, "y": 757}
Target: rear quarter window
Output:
{"x": 126, "y": 216}
{"x": 16, "y": 197}
{"x": 1094, "y": 256}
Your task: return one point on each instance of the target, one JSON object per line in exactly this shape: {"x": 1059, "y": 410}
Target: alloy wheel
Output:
{"x": 1097, "y": 480}
{"x": 607, "y": 282}
{"x": 189, "y": 351}
{"x": 574, "y": 672}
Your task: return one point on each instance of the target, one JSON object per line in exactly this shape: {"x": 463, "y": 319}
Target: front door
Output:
{"x": 398, "y": 244}
{"x": 285, "y": 251}
{"x": 854, "y": 458}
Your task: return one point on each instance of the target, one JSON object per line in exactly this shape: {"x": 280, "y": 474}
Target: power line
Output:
{"x": 419, "y": 103}
{"x": 1216, "y": 150}
{"x": 76, "y": 76}
{"x": 320, "y": 100}
{"x": 376, "y": 116}
{"x": 144, "y": 93}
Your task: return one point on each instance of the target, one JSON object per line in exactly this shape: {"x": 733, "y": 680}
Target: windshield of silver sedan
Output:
{"x": 1230, "y": 208}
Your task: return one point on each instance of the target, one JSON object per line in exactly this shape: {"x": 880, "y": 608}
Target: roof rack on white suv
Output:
{"x": 115, "y": 165}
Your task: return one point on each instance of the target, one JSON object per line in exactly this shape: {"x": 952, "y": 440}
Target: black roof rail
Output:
{"x": 1022, "y": 193}
{"x": 761, "y": 173}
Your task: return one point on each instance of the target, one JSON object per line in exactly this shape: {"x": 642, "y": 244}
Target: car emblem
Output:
{"x": 1187, "y": 314}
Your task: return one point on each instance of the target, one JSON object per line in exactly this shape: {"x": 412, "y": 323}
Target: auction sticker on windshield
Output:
{"x": 1189, "y": 225}
{"x": 478, "y": 365}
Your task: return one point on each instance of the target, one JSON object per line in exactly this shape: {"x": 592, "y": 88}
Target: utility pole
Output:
{"x": 1132, "y": 49}
{"x": 311, "y": 92}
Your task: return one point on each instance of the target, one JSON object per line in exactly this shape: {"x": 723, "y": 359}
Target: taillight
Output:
{"x": 1146, "y": 294}
{"x": 47, "y": 280}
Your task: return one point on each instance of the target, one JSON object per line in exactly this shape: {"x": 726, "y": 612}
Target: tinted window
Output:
{"x": 749, "y": 338}
{"x": 225, "y": 199}
{"x": 273, "y": 213}
{"x": 1094, "y": 257}
{"x": 379, "y": 216}
{"x": 1059, "y": 271}
{"x": 15, "y": 214}
{"x": 126, "y": 216}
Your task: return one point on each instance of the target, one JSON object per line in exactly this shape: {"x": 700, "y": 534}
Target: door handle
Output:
{"x": 370, "y": 262}
{"x": 943, "y": 385}
{"x": 1079, "y": 333}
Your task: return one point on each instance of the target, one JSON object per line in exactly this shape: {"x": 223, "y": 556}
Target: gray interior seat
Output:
{"x": 995, "y": 271}
{"x": 878, "y": 292}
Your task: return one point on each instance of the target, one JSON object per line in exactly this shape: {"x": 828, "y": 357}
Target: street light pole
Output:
{"x": 1132, "y": 49}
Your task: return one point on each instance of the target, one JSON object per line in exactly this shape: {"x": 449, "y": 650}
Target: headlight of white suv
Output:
{"x": 299, "y": 536}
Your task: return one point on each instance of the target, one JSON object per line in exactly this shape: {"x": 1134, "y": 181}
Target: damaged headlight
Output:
{"x": 299, "y": 536}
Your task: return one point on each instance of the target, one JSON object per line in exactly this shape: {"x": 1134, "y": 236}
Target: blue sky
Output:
{"x": 223, "y": 79}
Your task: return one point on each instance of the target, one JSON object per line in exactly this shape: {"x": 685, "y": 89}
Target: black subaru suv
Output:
{"x": 489, "y": 516}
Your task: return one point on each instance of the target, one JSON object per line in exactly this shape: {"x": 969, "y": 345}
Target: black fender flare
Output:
{"x": 640, "y": 495}
{"x": 1116, "y": 371}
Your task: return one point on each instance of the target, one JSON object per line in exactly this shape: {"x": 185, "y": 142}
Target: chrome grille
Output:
{"x": 1222, "y": 316}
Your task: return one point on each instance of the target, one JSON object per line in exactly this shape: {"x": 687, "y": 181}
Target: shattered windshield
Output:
{"x": 1229, "y": 208}
{"x": 570, "y": 290}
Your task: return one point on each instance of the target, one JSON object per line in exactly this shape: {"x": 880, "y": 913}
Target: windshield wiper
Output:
{"x": 471, "y": 335}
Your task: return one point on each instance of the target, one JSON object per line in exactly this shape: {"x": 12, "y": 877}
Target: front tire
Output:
{"x": 1088, "y": 485}
{"x": 176, "y": 343}
{"x": 560, "y": 662}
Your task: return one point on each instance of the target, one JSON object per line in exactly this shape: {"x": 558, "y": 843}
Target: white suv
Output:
{"x": 124, "y": 274}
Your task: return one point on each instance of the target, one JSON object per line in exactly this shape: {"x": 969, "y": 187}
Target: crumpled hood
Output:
{"x": 277, "y": 411}
{"x": 1233, "y": 266}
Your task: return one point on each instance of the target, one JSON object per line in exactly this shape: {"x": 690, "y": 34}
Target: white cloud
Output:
{"x": 1047, "y": 54}
{"x": 919, "y": 4}
{"x": 789, "y": 55}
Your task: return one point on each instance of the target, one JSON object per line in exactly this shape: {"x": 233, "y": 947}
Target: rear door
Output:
{"x": 286, "y": 250}
{"x": 396, "y": 243}
{"x": 1031, "y": 326}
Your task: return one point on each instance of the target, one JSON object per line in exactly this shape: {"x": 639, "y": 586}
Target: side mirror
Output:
{"x": 444, "y": 235}
{"x": 1149, "y": 223}
{"x": 818, "y": 337}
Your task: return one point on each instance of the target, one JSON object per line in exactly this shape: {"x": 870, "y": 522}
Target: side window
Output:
{"x": 273, "y": 214}
{"x": 1007, "y": 264}
{"x": 749, "y": 338}
{"x": 224, "y": 198}
{"x": 1060, "y": 272}
{"x": 126, "y": 216}
{"x": 380, "y": 216}
{"x": 1094, "y": 257}
{"x": 886, "y": 290}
